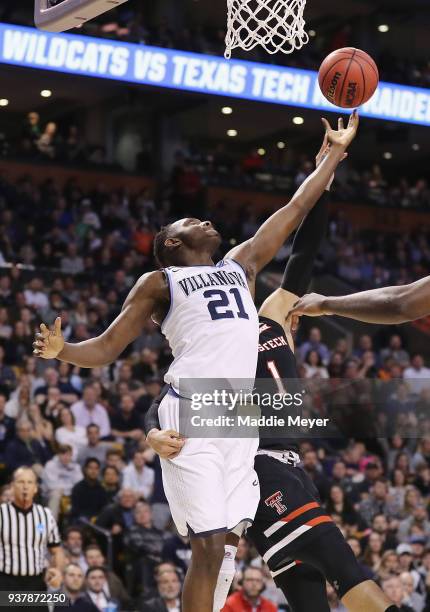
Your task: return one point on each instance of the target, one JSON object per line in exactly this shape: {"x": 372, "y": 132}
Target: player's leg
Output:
{"x": 331, "y": 555}
{"x": 202, "y": 574}
{"x": 304, "y": 587}
{"x": 227, "y": 571}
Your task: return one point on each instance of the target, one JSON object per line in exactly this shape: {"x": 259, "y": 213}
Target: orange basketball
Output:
{"x": 348, "y": 77}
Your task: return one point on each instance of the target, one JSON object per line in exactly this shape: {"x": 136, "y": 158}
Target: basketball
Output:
{"x": 348, "y": 77}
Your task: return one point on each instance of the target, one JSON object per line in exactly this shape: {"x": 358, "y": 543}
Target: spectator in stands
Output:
{"x": 378, "y": 502}
{"x": 177, "y": 550}
{"x": 35, "y": 295}
{"x": 7, "y": 427}
{"x": 111, "y": 480}
{"x": 73, "y": 547}
{"x": 96, "y": 448}
{"x": 88, "y": 495}
{"x": 87, "y": 412}
{"x": 126, "y": 423}
{"x": 31, "y": 130}
{"x": 412, "y": 599}
{"x": 168, "y": 594}
{"x": 114, "y": 588}
{"x": 145, "y": 543}
{"x": 249, "y": 597}
{"x": 48, "y": 141}
{"x": 395, "y": 591}
{"x": 417, "y": 521}
{"x": 7, "y": 375}
{"x": 315, "y": 344}
{"x": 72, "y": 263}
{"x": 24, "y": 450}
{"x": 139, "y": 477}
{"x": 396, "y": 351}
{"x": 59, "y": 476}
{"x": 73, "y": 587}
{"x": 96, "y": 589}
{"x": 417, "y": 375}
{"x": 333, "y": 600}
{"x": 69, "y": 433}
{"x": 313, "y": 366}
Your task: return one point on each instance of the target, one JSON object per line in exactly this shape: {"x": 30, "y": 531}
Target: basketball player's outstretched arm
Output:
{"x": 384, "y": 305}
{"x": 149, "y": 292}
{"x": 298, "y": 271}
{"x": 256, "y": 252}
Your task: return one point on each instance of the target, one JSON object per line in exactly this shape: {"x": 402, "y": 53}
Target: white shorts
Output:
{"x": 211, "y": 486}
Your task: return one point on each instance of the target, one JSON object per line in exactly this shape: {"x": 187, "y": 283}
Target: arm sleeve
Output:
{"x": 150, "y": 419}
{"x": 306, "y": 244}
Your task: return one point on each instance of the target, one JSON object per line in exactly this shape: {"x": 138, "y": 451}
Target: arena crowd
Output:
{"x": 81, "y": 431}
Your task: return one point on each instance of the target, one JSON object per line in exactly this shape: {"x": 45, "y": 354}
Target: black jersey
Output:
{"x": 276, "y": 370}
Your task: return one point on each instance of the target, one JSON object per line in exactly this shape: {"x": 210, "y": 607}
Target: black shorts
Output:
{"x": 289, "y": 514}
{"x": 291, "y": 527}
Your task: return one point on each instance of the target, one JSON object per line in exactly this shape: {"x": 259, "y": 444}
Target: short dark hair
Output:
{"x": 91, "y": 460}
{"x": 95, "y": 569}
{"x": 160, "y": 249}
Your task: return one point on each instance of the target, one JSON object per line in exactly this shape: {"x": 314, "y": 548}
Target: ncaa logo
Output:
{"x": 275, "y": 502}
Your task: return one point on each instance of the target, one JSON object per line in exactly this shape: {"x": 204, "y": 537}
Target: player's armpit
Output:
{"x": 276, "y": 307}
{"x": 149, "y": 293}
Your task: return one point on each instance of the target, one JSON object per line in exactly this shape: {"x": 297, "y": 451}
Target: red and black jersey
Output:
{"x": 276, "y": 373}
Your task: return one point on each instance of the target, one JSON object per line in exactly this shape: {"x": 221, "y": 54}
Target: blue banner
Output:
{"x": 133, "y": 63}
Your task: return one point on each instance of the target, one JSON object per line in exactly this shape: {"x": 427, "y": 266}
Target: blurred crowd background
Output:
{"x": 76, "y": 253}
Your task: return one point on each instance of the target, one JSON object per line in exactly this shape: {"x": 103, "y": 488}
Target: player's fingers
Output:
{"x": 172, "y": 433}
{"x": 44, "y": 330}
{"x": 57, "y": 326}
{"x": 340, "y": 125}
{"x": 326, "y": 124}
{"x": 38, "y": 344}
{"x": 294, "y": 323}
{"x": 345, "y": 155}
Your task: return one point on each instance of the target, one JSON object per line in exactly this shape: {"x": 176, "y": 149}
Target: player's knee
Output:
{"x": 208, "y": 553}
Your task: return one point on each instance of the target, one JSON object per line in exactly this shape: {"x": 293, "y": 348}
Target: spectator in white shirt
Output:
{"x": 72, "y": 263}
{"x": 35, "y": 296}
{"x": 70, "y": 433}
{"x": 139, "y": 477}
{"x": 59, "y": 476}
{"x": 417, "y": 374}
{"x": 88, "y": 411}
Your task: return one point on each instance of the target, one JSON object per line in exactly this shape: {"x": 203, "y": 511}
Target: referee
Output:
{"x": 27, "y": 532}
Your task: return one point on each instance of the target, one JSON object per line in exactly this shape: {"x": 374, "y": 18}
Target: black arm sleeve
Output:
{"x": 150, "y": 419}
{"x": 306, "y": 244}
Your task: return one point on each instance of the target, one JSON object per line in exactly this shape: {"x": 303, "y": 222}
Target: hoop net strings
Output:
{"x": 276, "y": 25}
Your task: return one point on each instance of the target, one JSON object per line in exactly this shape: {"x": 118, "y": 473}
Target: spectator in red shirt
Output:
{"x": 249, "y": 598}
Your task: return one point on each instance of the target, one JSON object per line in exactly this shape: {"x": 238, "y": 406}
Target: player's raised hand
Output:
{"x": 49, "y": 342}
{"x": 322, "y": 154}
{"x": 167, "y": 443}
{"x": 311, "y": 305}
{"x": 343, "y": 136}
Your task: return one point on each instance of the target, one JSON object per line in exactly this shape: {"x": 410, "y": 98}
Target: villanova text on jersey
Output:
{"x": 210, "y": 279}
{"x": 212, "y": 327}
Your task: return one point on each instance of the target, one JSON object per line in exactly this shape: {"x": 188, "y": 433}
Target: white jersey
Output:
{"x": 211, "y": 326}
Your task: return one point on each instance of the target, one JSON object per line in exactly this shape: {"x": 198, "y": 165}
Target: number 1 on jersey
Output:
{"x": 271, "y": 366}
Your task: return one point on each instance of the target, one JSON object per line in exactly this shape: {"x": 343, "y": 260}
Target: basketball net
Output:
{"x": 276, "y": 25}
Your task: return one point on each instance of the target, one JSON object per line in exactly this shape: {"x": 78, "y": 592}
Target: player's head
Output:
{"x": 175, "y": 244}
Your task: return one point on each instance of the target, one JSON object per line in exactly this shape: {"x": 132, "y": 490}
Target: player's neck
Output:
{"x": 197, "y": 259}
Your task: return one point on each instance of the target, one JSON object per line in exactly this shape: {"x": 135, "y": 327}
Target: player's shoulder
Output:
{"x": 153, "y": 282}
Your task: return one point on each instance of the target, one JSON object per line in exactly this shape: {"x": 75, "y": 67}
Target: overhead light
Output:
{"x": 261, "y": 151}
{"x": 416, "y": 147}
{"x": 312, "y": 33}
{"x": 46, "y": 93}
{"x": 231, "y": 133}
{"x": 4, "y": 102}
{"x": 280, "y": 144}
{"x": 387, "y": 155}
{"x": 383, "y": 27}
{"x": 226, "y": 110}
{"x": 298, "y": 120}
